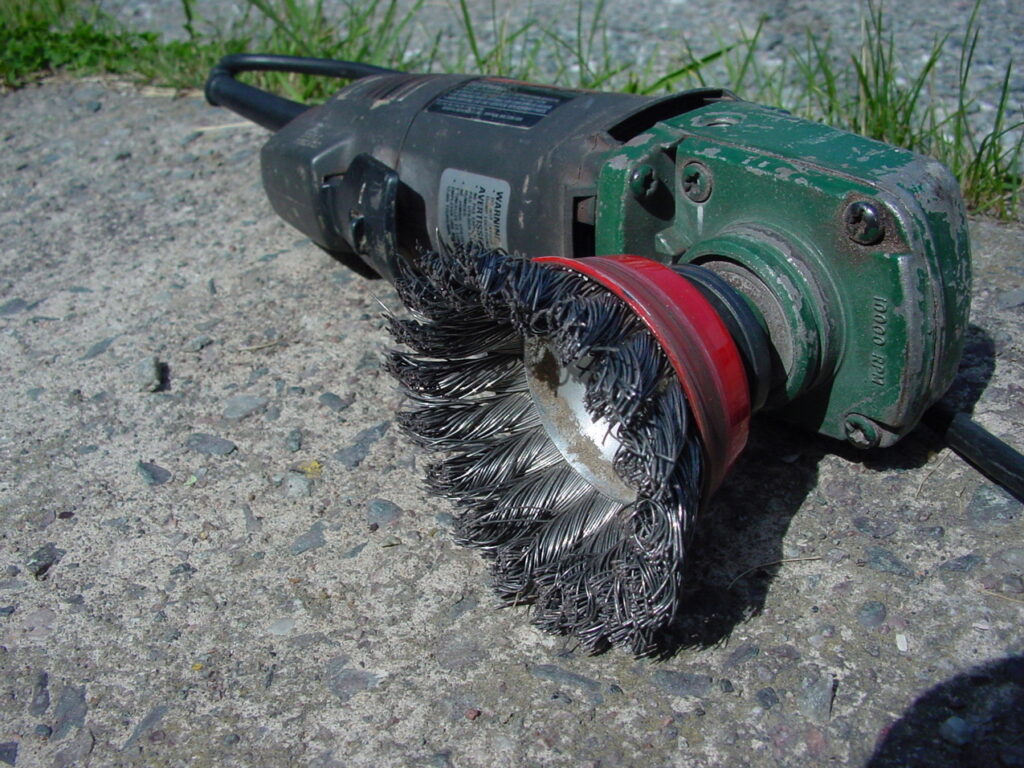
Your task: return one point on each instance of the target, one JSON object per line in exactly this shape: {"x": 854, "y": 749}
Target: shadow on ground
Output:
{"x": 974, "y": 720}
{"x": 738, "y": 549}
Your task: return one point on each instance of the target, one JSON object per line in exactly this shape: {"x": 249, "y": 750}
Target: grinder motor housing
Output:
{"x": 852, "y": 254}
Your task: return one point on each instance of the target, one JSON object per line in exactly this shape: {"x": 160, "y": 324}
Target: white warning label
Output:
{"x": 473, "y": 210}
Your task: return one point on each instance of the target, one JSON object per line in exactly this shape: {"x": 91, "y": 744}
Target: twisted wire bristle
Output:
{"x": 481, "y": 472}
{"x": 603, "y": 570}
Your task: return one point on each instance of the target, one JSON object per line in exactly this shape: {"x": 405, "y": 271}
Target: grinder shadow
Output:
{"x": 737, "y": 549}
{"x": 977, "y": 366}
{"x": 738, "y": 546}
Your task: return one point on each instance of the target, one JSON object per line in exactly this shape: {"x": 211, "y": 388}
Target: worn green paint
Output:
{"x": 874, "y": 330}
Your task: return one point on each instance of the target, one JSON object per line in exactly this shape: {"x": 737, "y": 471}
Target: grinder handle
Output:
{"x": 262, "y": 107}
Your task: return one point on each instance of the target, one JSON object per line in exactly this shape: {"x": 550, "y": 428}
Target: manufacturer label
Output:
{"x": 500, "y": 102}
{"x": 474, "y": 210}
{"x": 879, "y": 330}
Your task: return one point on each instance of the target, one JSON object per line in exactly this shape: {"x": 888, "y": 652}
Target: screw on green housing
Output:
{"x": 696, "y": 181}
{"x": 863, "y": 223}
{"x": 854, "y": 253}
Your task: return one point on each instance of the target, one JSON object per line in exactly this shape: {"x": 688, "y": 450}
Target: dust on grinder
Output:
{"x": 600, "y": 290}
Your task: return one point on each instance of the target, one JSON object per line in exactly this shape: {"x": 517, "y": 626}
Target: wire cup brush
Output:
{"x": 559, "y": 393}
{"x": 585, "y": 405}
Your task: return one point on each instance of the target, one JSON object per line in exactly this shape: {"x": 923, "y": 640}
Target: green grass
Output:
{"x": 868, "y": 92}
{"x": 38, "y": 37}
{"x": 871, "y": 94}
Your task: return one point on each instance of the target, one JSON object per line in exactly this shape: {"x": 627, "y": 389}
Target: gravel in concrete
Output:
{"x": 202, "y": 615}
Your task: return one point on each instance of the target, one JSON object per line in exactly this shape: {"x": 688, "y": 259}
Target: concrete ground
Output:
{"x": 216, "y": 551}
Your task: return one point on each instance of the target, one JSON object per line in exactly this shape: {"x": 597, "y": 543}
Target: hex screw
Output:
{"x": 696, "y": 179}
{"x": 863, "y": 223}
{"x": 642, "y": 182}
{"x": 861, "y": 432}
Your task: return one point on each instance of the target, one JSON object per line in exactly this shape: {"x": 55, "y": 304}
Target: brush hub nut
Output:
{"x": 588, "y": 444}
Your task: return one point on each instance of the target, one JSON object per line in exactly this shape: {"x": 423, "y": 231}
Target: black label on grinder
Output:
{"x": 503, "y": 102}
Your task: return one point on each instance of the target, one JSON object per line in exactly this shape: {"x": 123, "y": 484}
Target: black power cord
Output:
{"x": 978, "y": 447}
{"x": 266, "y": 109}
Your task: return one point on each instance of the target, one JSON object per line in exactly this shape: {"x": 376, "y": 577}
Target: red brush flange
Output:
{"x": 694, "y": 339}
